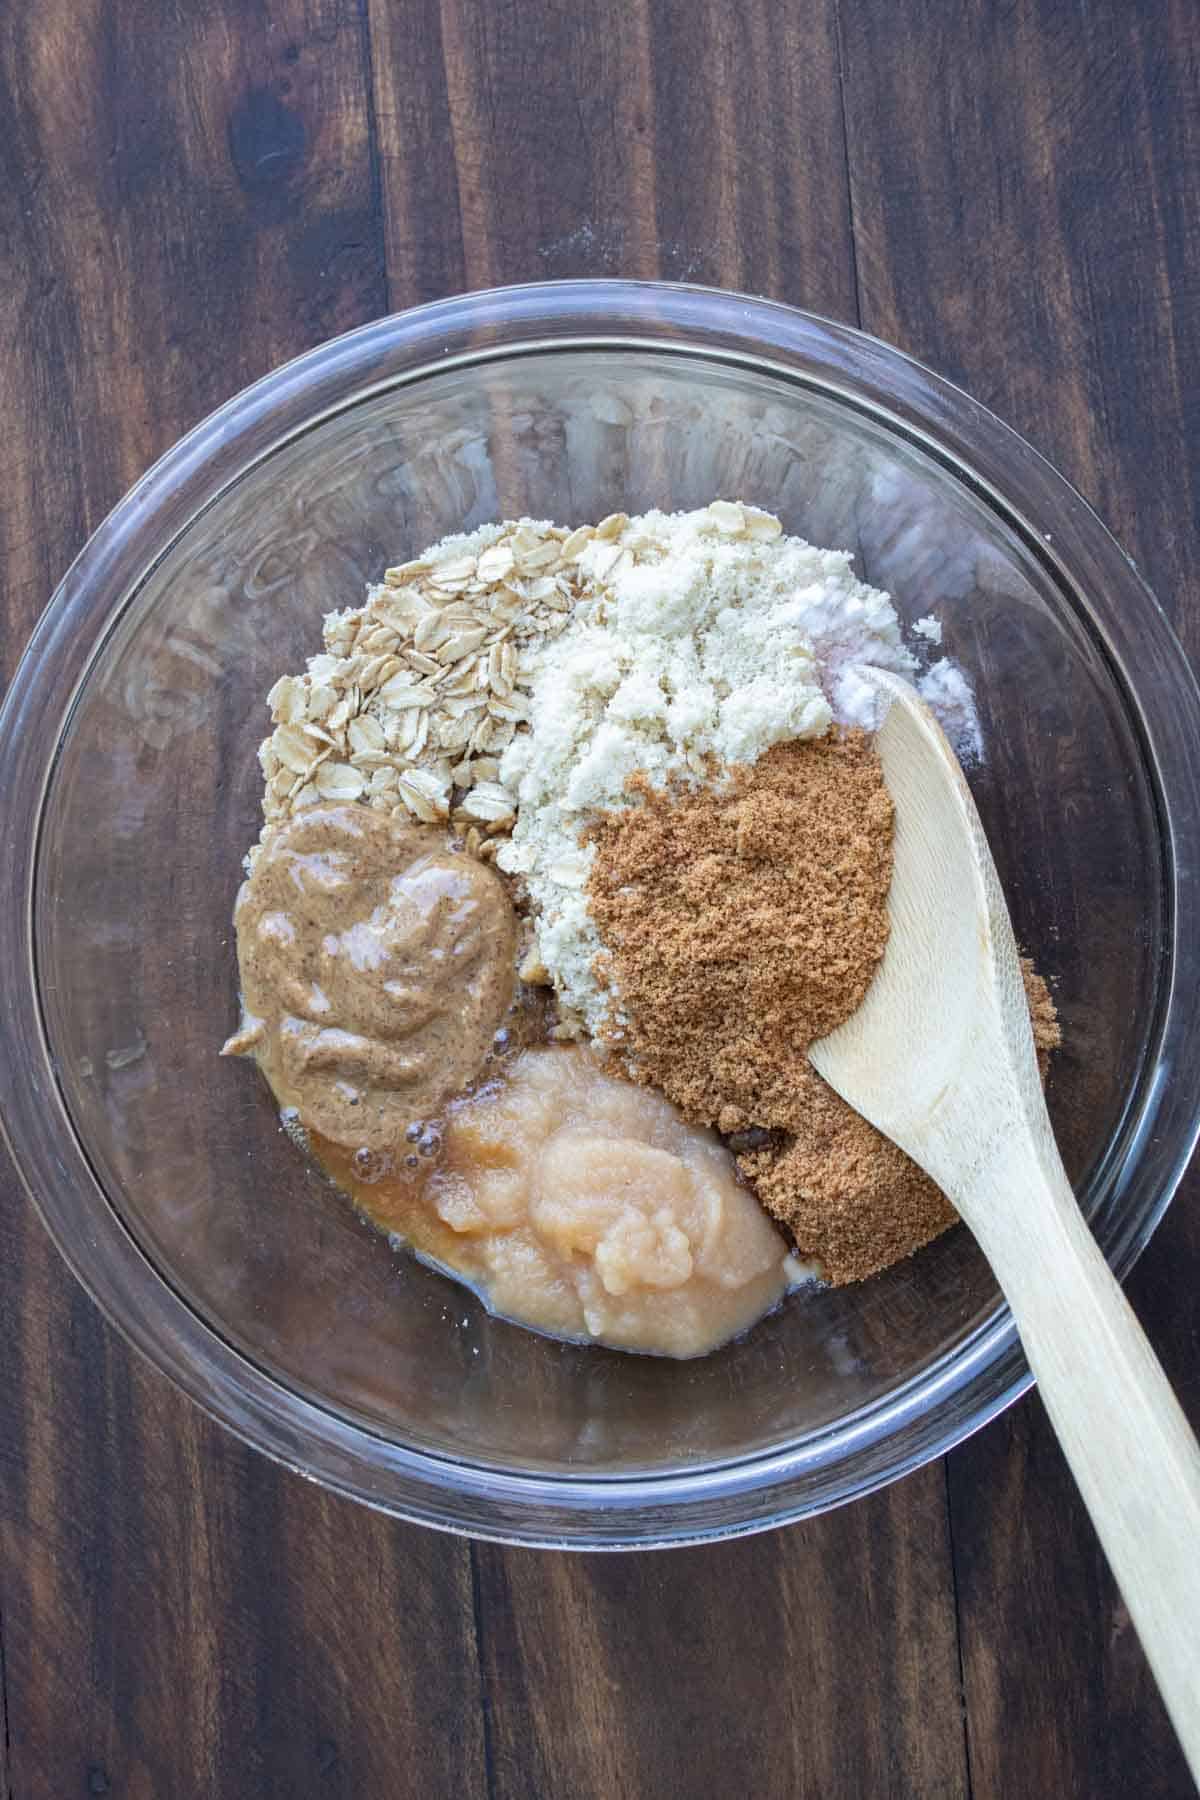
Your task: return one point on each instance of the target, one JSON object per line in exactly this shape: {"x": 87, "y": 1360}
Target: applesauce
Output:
{"x": 580, "y": 1205}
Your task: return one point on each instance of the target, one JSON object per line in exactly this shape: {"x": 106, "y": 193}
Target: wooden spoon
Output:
{"x": 940, "y": 1058}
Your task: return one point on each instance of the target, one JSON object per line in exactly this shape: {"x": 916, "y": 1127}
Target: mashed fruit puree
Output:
{"x": 573, "y": 841}
{"x": 583, "y": 1206}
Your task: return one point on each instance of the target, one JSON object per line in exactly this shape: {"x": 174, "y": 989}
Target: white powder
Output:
{"x": 710, "y": 636}
{"x": 946, "y": 690}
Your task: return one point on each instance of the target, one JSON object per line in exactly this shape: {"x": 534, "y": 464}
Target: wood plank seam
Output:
{"x": 485, "y": 1710}
{"x": 5, "y": 1756}
{"x": 374, "y": 155}
{"x": 958, "y": 1636}
{"x": 839, "y": 43}
{"x": 371, "y": 76}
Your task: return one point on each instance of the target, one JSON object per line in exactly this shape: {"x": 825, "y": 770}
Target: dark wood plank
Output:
{"x": 187, "y": 201}
{"x": 684, "y": 140}
{"x": 747, "y": 127}
{"x": 526, "y": 143}
{"x": 1022, "y": 223}
{"x": 187, "y": 198}
{"x": 183, "y": 1618}
{"x": 820, "y": 1660}
{"x": 421, "y": 202}
{"x": 692, "y": 142}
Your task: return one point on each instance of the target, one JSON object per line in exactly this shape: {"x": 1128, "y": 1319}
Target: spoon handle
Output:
{"x": 1122, "y": 1430}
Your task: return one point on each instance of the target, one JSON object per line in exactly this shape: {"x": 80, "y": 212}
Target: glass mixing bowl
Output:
{"x": 131, "y": 790}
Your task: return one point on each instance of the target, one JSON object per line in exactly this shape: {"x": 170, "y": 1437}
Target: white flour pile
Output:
{"x": 703, "y": 635}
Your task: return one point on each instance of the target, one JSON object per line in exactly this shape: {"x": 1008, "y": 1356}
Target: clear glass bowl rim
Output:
{"x": 929, "y": 1414}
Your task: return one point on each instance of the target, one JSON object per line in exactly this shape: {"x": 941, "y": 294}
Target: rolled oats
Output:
{"x": 423, "y": 795}
{"x": 417, "y": 693}
{"x": 366, "y": 733}
{"x": 339, "y": 781}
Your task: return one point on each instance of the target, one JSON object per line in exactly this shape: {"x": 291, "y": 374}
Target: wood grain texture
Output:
{"x": 538, "y": 135}
{"x": 752, "y": 188}
{"x": 1020, "y": 224}
{"x": 187, "y": 200}
{"x": 187, "y": 197}
{"x": 183, "y": 1618}
{"x": 777, "y": 1665}
{"x": 5, "y": 1784}
{"x": 687, "y": 141}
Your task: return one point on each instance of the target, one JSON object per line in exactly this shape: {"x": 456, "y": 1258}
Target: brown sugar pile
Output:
{"x": 741, "y": 924}
{"x": 848, "y": 1195}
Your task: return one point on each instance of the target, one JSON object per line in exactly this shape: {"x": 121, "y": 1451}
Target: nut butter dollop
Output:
{"x": 376, "y": 966}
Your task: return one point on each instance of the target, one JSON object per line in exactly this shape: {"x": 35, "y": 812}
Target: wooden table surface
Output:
{"x": 191, "y": 194}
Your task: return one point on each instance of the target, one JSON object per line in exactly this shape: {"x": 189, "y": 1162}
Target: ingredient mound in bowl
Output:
{"x": 574, "y": 840}
{"x": 377, "y": 967}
